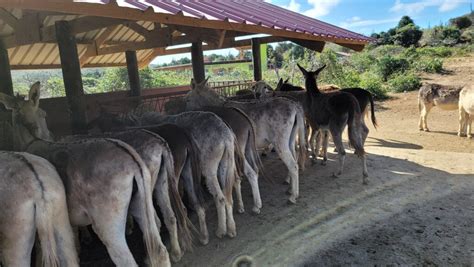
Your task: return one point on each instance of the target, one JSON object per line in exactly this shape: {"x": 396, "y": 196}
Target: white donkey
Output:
{"x": 278, "y": 122}
{"x": 32, "y": 199}
{"x": 466, "y": 111}
{"x": 98, "y": 175}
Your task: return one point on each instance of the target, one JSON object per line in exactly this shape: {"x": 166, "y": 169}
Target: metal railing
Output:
{"x": 156, "y": 102}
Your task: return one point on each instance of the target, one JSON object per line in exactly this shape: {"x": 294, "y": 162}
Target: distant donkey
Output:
{"x": 432, "y": 94}
{"x": 466, "y": 111}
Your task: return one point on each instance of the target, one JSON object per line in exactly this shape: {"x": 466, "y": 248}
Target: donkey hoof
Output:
{"x": 286, "y": 182}
{"x": 426, "y": 130}
{"x": 336, "y": 175}
{"x": 232, "y": 233}
{"x": 292, "y": 200}
{"x": 324, "y": 162}
{"x": 220, "y": 233}
{"x": 256, "y": 210}
{"x": 288, "y": 192}
{"x": 176, "y": 256}
{"x": 241, "y": 210}
{"x": 469, "y": 136}
{"x": 204, "y": 240}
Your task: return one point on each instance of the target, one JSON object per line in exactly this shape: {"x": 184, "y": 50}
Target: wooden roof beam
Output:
{"x": 93, "y": 48}
{"x": 8, "y": 18}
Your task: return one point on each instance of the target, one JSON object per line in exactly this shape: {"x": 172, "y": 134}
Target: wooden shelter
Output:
{"x": 67, "y": 34}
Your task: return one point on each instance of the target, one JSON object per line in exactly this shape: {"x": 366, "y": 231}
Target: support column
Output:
{"x": 72, "y": 76}
{"x": 6, "y": 84}
{"x": 6, "y": 87}
{"x": 257, "y": 60}
{"x": 133, "y": 76}
{"x": 197, "y": 59}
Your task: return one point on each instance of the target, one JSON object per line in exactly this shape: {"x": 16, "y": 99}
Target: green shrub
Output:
{"x": 440, "y": 51}
{"x": 429, "y": 64}
{"x": 373, "y": 84}
{"x": 461, "y": 22}
{"x": 408, "y": 35}
{"x": 407, "y": 81}
{"x": 388, "y": 65}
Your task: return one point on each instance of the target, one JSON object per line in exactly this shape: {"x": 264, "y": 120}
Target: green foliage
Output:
{"x": 461, "y": 22}
{"x": 403, "y": 82}
{"x": 372, "y": 82}
{"x": 388, "y": 65}
{"x": 408, "y": 35}
{"x": 404, "y": 21}
{"x": 429, "y": 64}
{"x": 55, "y": 87}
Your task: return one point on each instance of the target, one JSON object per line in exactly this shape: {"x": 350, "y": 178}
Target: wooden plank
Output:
{"x": 197, "y": 58}
{"x": 114, "y": 11}
{"x": 257, "y": 60}
{"x": 72, "y": 76}
{"x": 133, "y": 75}
{"x": 146, "y": 61}
{"x": 92, "y": 49}
{"x": 313, "y": 45}
{"x": 8, "y": 18}
{"x": 6, "y": 84}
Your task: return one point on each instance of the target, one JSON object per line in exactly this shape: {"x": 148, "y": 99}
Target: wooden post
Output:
{"x": 197, "y": 59}
{"x": 6, "y": 84}
{"x": 72, "y": 76}
{"x": 133, "y": 76}
{"x": 257, "y": 60}
{"x": 6, "y": 87}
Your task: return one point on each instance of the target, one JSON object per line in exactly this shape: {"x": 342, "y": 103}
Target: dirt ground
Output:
{"x": 418, "y": 208}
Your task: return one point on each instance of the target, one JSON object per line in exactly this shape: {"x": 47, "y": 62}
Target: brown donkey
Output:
{"x": 332, "y": 111}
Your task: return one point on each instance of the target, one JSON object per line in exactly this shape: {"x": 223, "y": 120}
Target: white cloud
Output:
{"x": 293, "y": 6}
{"x": 357, "y": 22}
{"x": 320, "y": 7}
{"x": 417, "y": 7}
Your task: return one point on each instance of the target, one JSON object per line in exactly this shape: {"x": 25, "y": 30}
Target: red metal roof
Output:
{"x": 256, "y": 12}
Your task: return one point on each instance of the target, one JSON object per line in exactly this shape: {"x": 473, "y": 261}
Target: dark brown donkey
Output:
{"x": 332, "y": 111}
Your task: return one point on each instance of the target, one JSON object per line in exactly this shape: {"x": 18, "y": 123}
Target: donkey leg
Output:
{"x": 191, "y": 192}
{"x": 337, "y": 138}
{"x": 238, "y": 194}
{"x": 424, "y": 114}
{"x": 325, "y": 147}
{"x": 252, "y": 176}
{"x": 469, "y": 123}
{"x": 462, "y": 122}
{"x": 315, "y": 145}
{"x": 219, "y": 200}
{"x": 292, "y": 165}
{"x": 17, "y": 241}
{"x": 162, "y": 197}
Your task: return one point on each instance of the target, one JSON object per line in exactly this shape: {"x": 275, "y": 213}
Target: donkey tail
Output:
{"x": 52, "y": 222}
{"x": 372, "y": 110}
{"x": 194, "y": 161}
{"x": 157, "y": 253}
{"x": 184, "y": 224}
{"x": 299, "y": 127}
{"x": 354, "y": 127}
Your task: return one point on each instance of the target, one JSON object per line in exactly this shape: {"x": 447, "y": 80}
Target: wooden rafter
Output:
{"x": 93, "y": 48}
{"x": 8, "y": 18}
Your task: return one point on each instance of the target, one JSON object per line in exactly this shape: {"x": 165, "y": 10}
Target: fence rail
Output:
{"x": 156, "y": 102}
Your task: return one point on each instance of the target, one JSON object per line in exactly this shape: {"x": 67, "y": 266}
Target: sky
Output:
{"x": 365, "y": 16}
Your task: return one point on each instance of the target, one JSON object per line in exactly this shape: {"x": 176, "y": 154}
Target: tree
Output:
{"x": 404, "y": 21}
{"x": 461, "y": 22}
{"x": 408, "y": 35}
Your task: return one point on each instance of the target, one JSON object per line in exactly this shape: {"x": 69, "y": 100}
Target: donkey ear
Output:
{"x": 34, "y": 94}
{"x": 10, "y": 102}
{"x": 280, "y": 82}
{"x": 286, "y": 81}
{"x": 193, "y": 84}
{"x": 305, "y": 72}
{"x": 319, "y": 70}
{"x": 204, "y": 82}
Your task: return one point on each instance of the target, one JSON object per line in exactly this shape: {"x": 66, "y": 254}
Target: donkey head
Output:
{"x": 29, "y": 120}
{"x": 311, "y": 77}
{"x": 201, "y": 95}
{"x": 261, "y": 88}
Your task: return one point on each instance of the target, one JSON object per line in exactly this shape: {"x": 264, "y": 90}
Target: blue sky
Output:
{"x": 367, "y": 16}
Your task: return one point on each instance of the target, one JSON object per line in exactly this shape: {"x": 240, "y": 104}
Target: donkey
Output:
{"x": 156, "y": 154}
{"x": 98, "y": 175}
{"x": 333, "y": 111}
{"x": 244, "y": 130}
{"x": 432, "y": 94}
{"x": 278, "y": 122}
{"x": 364, "y": 98}
{"x": 466, "y": 111}
{"x": 217, "y": 159}
{"x": 185, "y": 155}
{"x": 32, "y": 199}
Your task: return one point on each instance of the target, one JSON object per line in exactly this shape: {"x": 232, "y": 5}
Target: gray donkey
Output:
{"x": 98, "y": 175}
{"x": 333, "y": 111}
{"x": 218, "y": 152}
{"x": 278, "y": 121}
{"x": 156, "y": 154}
{"x": 32, "y": 199}
{"x": 432, "y": 94}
